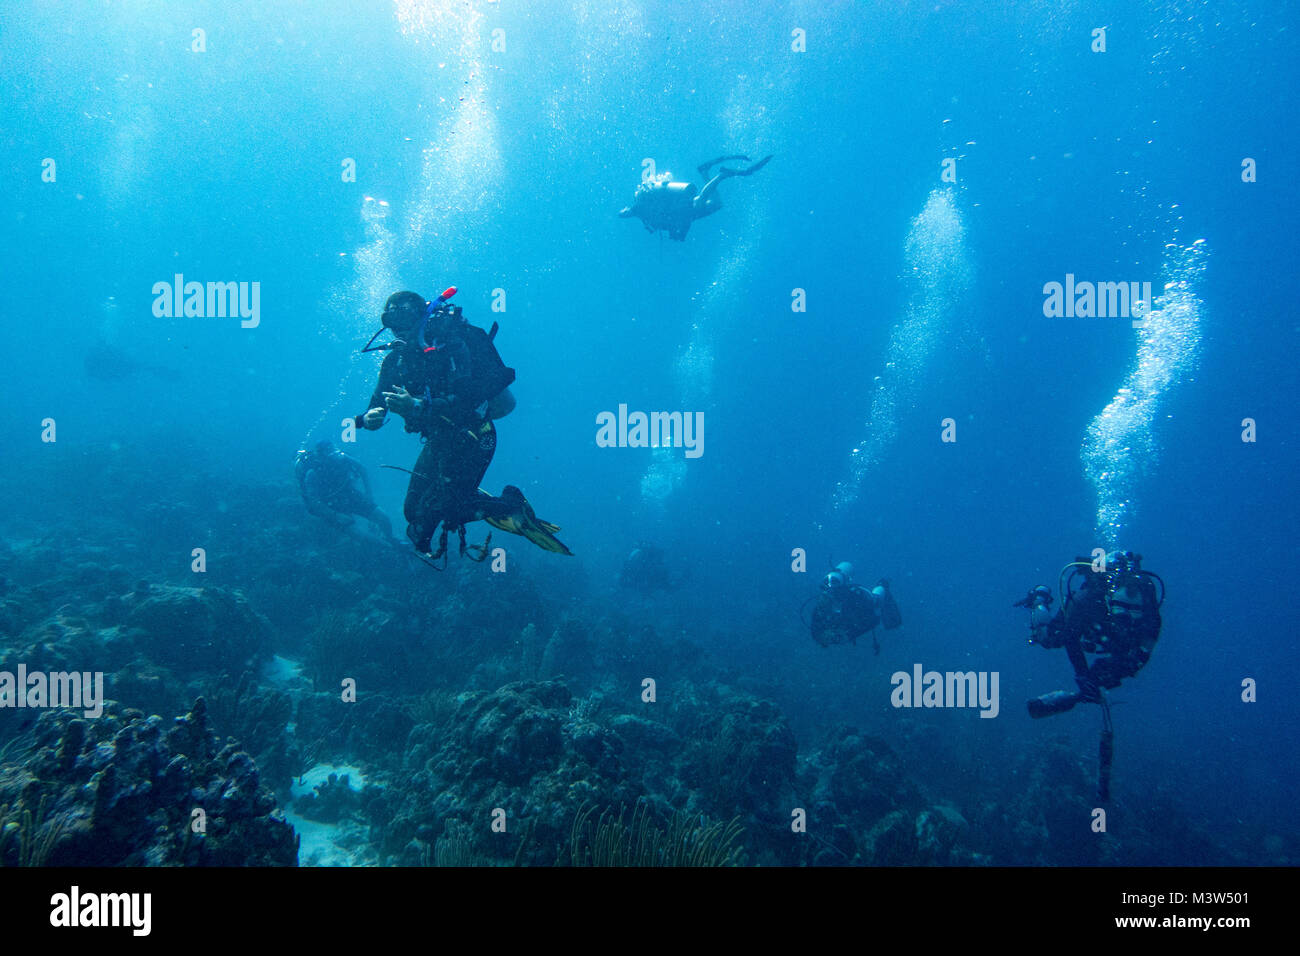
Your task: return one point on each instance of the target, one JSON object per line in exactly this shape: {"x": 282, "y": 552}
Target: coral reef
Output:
{"x": 495, "y": 720}
{"x": 126, "y": 789}
{"x": 607, "y": 841}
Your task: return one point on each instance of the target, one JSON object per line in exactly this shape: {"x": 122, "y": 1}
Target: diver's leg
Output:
{"x": 1074, "y": 650}
{"x": 709, "y": 200}
{"x": 701, "y": 210}
{"x": 380, "y": 521}
{"x": 709, "y": 194}
{"x": 422, "y": 494}
{"x": 1084, "y": 676}
{"x": 337, "y": 519}
{"x": 473, "y": 465}
{"x": 704, "y": 169}
{"x": 335, "y": 511}
{"x": 1108, "y": 672}
{"x": 465, "y": 473}
{"x": 750, "y": 170}
{"x": 1058, "y": 702}
{"x": 361, "y": 504}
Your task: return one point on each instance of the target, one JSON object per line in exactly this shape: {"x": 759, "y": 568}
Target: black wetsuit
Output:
{"x": 1120, "y": 642}
{"x": 844, "y": 614}
{"x": 667, "y": 208}
{"x": 453, "y": 382}
{"x": 332, "y": 485}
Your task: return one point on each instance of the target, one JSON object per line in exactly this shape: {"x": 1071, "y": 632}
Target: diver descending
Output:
{"x": 446, "y": 380}
{"x": 1113, "y": 614}
{"x": 845, "y": 611}
{"x": 664, "y": 205}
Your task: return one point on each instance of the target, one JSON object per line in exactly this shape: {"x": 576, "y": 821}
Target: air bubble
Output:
{"x": 374, "y": 210}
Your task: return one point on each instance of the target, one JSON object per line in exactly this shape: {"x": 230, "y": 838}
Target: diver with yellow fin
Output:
{"x": 512, "y": 512}
{"x": 445, "y": 379}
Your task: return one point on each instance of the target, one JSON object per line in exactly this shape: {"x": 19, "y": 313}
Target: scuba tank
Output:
{"x": 1133, "y": 606}
{"x": 1130, "y": 592}
{"x": 1123, "y": 598}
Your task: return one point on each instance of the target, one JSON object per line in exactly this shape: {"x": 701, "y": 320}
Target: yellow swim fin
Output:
{"x": 521, "y": 520}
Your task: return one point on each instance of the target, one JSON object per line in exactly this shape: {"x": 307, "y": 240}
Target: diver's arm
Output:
{"x": 705, "y": 167}
{"x": 707, "y": 202}
{"x": 1074, "y": 651}
{"x": 377, "y": 411}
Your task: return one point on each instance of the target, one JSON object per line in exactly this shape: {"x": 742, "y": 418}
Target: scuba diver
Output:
{"x": 645, "y": 570}
{"x": 334, "y": 487}
{"x": 663, "y": 205}
{"x": 445, "y": 379}
{"x": 845, "y": 611}
{"x": 1114, "y": 614}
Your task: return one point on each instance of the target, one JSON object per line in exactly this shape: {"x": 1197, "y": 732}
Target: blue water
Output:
{"x": 505, "y": 168}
